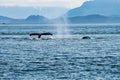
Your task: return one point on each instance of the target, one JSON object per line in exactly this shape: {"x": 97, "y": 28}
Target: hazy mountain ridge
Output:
{"x": 97, "y": 11}
{"x": 94, "y": 19}
{"x": 32, "y": 19}
{"x": 36, "y": 19}
{"x": 102, "y": 7}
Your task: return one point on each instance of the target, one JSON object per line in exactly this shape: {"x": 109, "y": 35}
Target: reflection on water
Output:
{"x": 68, "y": 58}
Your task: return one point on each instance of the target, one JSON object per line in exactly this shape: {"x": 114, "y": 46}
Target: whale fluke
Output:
{"x": 33, "y": 34}
{"x": 46, "y": 33}
{"x": 40, "y": 34}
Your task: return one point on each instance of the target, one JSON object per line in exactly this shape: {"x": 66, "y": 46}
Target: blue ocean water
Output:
{"x": 98, "y": 58}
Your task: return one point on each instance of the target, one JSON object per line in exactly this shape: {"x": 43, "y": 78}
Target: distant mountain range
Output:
{"x": 94, "y": 19}
{"x": 101, "y": 7}
{"x": 97, "y": 11}
{"x": 36, "y": 19}
{"x": 33, "y": 19}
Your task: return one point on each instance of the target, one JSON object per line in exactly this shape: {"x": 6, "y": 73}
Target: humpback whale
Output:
{"x": 40, "y": 34}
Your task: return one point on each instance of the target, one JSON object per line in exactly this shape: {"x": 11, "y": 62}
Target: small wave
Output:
{"x": 14, "y": 33}
{"x": 79, "y": 33}
{"x": 13, "y": 38}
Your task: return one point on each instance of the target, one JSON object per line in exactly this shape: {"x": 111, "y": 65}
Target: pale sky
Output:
{"x": 47, "y": 8}
{"x": 43, "y": 3}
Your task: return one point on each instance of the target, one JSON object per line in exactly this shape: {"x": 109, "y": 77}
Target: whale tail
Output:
{"x": 40, "y": 34}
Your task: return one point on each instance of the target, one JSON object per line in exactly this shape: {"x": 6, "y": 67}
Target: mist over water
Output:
{"x": 62, "y": 27}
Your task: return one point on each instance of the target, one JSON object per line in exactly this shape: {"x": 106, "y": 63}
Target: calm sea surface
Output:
{"x": 98, "y": 58}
